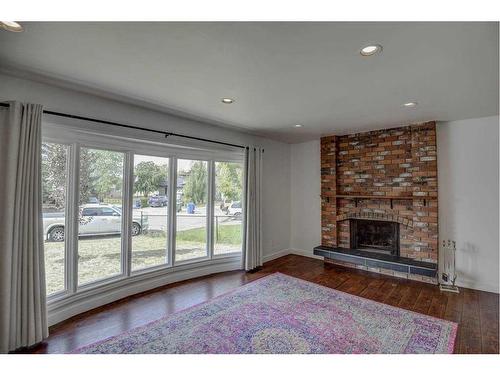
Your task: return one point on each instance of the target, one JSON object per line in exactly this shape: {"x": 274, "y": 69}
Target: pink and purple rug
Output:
{"x": 283, "y": 314}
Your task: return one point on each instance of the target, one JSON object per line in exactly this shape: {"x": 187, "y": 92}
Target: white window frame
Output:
{"x": 125, "y": 219}
{"x": 223, "y": 160}
{"x": 77, "y": 138}
{"x": 68, "y": 256}
{"x": 207, "y": 218}
{"x": 168, "y": 258}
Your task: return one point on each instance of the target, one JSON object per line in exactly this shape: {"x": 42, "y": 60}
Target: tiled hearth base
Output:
{"x": 425, "y": 279}
{"x": 387, "y": 265}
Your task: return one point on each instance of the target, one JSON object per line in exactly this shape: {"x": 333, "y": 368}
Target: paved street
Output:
{"x": 157, "y": 218}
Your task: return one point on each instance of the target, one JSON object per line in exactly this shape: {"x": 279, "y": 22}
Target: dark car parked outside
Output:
{"x": 157, "y": 201}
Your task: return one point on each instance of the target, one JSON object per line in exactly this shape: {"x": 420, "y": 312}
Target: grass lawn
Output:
{"x": 99, "y": 257}
{"x": 226, "y": 234}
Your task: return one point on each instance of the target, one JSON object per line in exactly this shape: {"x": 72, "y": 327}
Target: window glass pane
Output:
{"x": 54, "y": 182}
{"x": 150, "y": 212}
{"x": 191, "y": 225}
{"x": 227, "y": 208}
{"x": 100, "y": 222}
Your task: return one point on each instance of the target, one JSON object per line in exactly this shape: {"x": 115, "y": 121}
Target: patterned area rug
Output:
{"x": 283, "y": 314}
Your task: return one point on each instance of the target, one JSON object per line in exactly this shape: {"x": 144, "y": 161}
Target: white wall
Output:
{"x": 276, "y": 174}
{"x": 468, "y": 198}
{"x": 305, "y": 175}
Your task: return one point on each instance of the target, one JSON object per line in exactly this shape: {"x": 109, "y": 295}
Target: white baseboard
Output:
{"x": 305, "y": 253}
{"x": 282, "y": 253}
{"x": 276, "y": 255}
{"x": 477, "y": 286}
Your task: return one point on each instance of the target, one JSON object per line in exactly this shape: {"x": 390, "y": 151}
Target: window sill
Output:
{"x": 64, "y": 306}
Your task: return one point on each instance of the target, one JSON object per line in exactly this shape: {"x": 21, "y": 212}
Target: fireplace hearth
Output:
{"x": 375, "y": 236}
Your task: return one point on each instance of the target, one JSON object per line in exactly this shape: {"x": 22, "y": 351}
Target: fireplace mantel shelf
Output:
{"x": 425, "y": 198}
{"x": 383, "y": 197}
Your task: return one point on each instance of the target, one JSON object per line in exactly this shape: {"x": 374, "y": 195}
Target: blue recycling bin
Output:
{"x": 137, "y": 203}
{"x": 190, "y": 208}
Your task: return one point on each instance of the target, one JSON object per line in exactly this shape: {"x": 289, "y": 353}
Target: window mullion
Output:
{"x": 127, "y": 213}
{"x": 210, "y": 208}
{"x": 172, "y": 209}
{"x": 72, "y": 219}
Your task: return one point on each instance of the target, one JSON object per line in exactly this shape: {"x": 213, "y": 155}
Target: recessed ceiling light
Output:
{"x": 298, "y": 125}
{"x": 370, "y": 50}
{"x": 227, "y": 100}
{"x": 410, "y": 104}
{"x": 11, "y": 26}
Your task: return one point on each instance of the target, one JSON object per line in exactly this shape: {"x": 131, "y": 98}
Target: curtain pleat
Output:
{"x": 23, "y": 315}
{"x": 253, "y": 205}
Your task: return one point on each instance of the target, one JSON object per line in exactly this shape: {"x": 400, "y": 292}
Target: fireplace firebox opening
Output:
{"x": 375, "y": 235}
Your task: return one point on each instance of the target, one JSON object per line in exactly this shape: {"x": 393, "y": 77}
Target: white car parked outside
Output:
{"x": 95, "y": 220}
{"x": 235, "y": 209}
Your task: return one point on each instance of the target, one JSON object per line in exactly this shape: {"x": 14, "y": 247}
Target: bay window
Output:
{"x": 118, "y": 209}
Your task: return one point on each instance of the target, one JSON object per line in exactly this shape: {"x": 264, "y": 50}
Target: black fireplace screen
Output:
{"x": 375, "y": 235}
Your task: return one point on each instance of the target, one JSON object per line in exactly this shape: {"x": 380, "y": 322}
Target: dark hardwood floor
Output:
{"x": 475, "y": 311}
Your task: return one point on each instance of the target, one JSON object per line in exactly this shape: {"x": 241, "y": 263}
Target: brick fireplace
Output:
{"x": 382, "y": 176}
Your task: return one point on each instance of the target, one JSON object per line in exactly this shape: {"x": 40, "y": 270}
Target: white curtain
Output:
{"x": 23, "y": 316}
{"x": 253, "y": 205}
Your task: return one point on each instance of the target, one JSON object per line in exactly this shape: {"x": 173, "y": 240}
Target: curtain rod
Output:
{"x": 166, "y": 134}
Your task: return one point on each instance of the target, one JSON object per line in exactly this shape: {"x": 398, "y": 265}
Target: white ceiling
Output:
{"x": 280, "y": 74}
